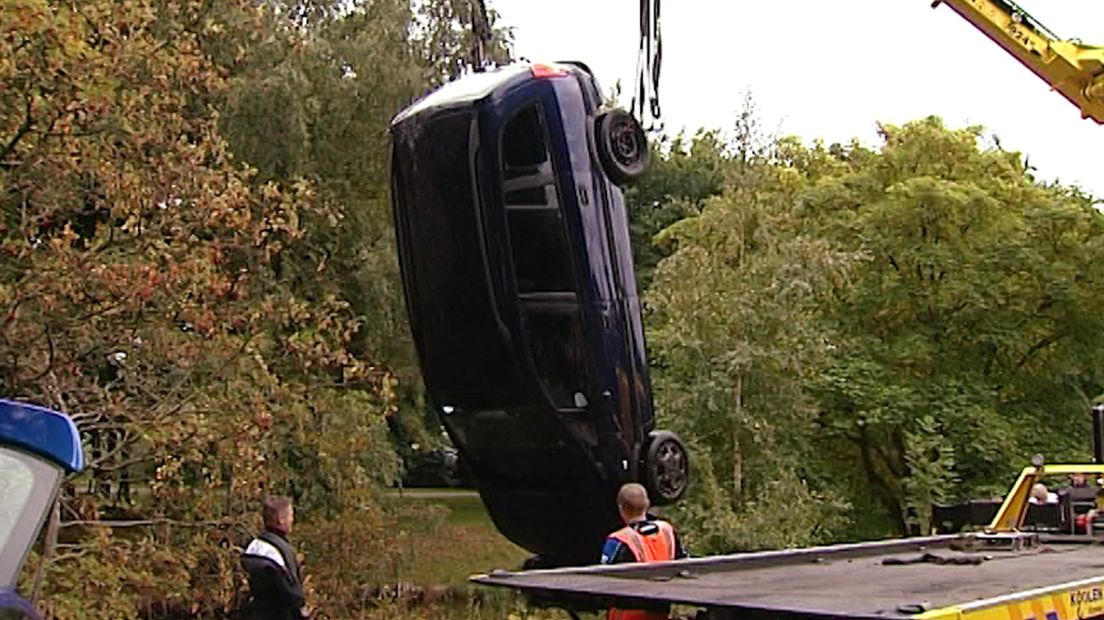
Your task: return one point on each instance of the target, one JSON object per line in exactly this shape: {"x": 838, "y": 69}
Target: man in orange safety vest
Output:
{"x": 643, "y": 539}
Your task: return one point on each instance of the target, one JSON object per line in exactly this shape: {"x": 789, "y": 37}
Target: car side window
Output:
{"x": 542, "y": 260}
{"x": 539, "y": 248}
{"x": 523, "y": 143}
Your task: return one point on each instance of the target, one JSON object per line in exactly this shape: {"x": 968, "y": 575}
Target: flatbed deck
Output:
{"x": 952, "y": 576}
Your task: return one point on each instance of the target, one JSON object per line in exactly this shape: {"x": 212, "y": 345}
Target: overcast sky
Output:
{"x": 831, "y": 69}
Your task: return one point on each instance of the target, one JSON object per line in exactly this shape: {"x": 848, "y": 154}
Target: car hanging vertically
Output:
{"x": 517, "y": 269}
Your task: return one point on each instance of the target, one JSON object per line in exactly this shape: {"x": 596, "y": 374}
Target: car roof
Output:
{"x": 466, "y": 89}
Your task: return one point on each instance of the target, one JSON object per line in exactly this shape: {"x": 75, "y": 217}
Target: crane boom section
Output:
{"x": 1073, "y": 69}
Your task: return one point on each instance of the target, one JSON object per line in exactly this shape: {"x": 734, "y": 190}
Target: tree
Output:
{"x": 971, "y": 329}
{"x": 683, "y": 174}
{"x": 315, "y": 103}
{"x": 735, "y": 334}
{"x": 142, "y": 290}
{"x": 447, "y": 35}
{"x": 875, "y": 328}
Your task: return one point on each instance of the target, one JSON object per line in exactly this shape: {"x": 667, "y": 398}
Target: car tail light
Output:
{"x": 548, "y": 71}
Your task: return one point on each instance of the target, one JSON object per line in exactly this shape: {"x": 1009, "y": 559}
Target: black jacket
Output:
{"x": 274, "y": 579}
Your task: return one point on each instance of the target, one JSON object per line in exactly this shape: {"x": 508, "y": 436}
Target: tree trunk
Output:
{"x": 737, "y": 453}
{"x": 878, "y": 484}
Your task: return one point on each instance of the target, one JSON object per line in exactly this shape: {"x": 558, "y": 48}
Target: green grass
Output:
{"x": 466, "y": 511}
{"x": 466, "y": 544}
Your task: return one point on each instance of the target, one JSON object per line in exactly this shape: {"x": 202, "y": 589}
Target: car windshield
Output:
{"x": 27, "y": 485}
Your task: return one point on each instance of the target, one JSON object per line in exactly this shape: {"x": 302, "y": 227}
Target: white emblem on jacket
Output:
{"x": 265, "y": 549}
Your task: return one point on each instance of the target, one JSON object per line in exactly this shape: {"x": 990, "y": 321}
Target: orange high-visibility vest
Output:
{"x": 657, "y": 547}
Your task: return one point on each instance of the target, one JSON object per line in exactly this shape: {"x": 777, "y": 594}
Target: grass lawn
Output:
{"x": 466, "y": 511}
{"x": 468, "y": 542}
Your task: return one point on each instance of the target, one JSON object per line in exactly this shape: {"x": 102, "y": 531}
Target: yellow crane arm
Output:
{"x": 1073, "y": 69}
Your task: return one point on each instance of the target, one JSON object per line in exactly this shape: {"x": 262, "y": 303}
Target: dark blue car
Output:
{"x": 513, "y": 241}
{"x": 38, "y": 447}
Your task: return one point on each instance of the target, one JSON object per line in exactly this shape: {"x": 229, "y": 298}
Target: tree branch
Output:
{"x": 1035, "y": 348}
{"x": 49, "y": 359}
{"x": 23, "y": 130}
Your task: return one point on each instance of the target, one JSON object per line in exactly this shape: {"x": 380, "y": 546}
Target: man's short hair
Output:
{"x": 274, "y": 508}
{"x": 633, "y": 498}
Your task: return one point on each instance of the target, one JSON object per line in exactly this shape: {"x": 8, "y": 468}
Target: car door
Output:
{"x": 543, "y": 260}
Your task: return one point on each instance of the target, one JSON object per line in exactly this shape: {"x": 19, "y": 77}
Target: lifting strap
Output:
{"x": 645, "y": 100}
{"x": 481, "y": 28}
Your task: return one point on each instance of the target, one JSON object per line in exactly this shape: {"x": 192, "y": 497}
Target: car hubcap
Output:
{"x": 625, "y": 143}
{"x": 670, "y": 469}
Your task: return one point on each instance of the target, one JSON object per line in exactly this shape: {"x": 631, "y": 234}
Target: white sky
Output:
{"x": 831, "y": 68}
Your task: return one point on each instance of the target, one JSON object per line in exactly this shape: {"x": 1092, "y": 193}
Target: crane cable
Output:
{"x": 481, "y": 28}
{"x": 645, "y": 99}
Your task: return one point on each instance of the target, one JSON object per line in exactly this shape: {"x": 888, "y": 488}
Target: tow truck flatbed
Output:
{"x": 1014, "y": 577}
{"x": 1001, "y": 573}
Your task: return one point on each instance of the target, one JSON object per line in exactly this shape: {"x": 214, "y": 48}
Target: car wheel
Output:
{"x": 622, "y": 146}
{"x": 666, "y": 468}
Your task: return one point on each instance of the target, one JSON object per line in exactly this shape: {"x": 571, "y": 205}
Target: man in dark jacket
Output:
{"x": 274, "y": 580}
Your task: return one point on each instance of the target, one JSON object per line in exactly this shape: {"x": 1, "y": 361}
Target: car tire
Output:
{"x": 622, "y": 146}
{"x": 666, "y": 468}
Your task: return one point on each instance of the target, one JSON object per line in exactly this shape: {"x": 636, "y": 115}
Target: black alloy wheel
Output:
{"x": 622, "y": 146}
{"x": 666, "y": 468}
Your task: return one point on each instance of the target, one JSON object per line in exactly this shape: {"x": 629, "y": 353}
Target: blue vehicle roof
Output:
{"x": 471, "y": 88}
{"x": 44, "y": 432}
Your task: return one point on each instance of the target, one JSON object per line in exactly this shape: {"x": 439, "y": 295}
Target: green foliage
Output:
{"x": 972, "y": 314}
{"x": 930, "y": 462}
{"x": 735, "y": 334}
{"x": 315, "y": 103}
{"x": 682, "y": 176}
{"x": 175, "y": 300}
{"x": 446, "y": 38}
{"x": 883, "y": 327}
